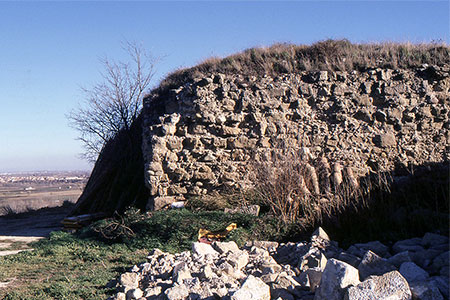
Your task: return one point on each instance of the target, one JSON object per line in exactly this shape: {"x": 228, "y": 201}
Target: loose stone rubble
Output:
{"x": 411, "y": 269}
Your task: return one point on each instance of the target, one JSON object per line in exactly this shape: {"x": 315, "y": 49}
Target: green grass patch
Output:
{"x": 80, "y": 266}
{"x": 66, "y": 267}
{"x": 176, "y": 230}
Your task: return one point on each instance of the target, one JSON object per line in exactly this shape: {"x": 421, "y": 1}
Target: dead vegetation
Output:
{"x": 329, "y": 55}
{"x": 297, "y": 189}
{"x": 381, "y": 205}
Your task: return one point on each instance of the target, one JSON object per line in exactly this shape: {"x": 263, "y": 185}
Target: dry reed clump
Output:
{"x": 298, "y": 190}
{"x": 329, "y": 55}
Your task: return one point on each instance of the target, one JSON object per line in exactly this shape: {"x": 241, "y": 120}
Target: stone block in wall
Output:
{"x": 385, "y": 140}
{"x": 229, "y": 131}
{"x": 174, "y": 143}
{"x": 228, "y": 104}
{"x": 363, "y": 100}
{"x": 163, "y": 202}
{"x": 176, "y": 189}
{"x": 191, "y": 143}
{"x": 241, "y": 142}
{"x": 155, "y": 167}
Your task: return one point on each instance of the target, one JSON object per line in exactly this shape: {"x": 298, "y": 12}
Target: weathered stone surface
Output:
{"x": 372, "y": 264}
{"x": 390, "y": 286}
{"x": 164, "y": 202}
{"x": 285, "y": 283}
{"x": 252, "y": 289}
{"x": 319, "y": 233}
{"x": 385, "y": 140}
{"x": 310, "y": 279}
{"x": 221, "y": 125}
{"x": 134, "y": 294}
{"x": 267, "y": 270}
{"x": 203, "y": 249}
{"x": 152, "y": 291}
{"x": 248, "y": 209}
{"x": 129, "y": 280}
{"x": 413, "y": 272}
{"x": 425, "y": 291}
{"x": 432, "y": 239}
{"x": 178, "y": 292}
{"x": 336, "y": 277}
{"x": 313, "y": 260}
{"x": 349, "y": 258}
{"x": 399, "y": 258}
{"x": 375, "y": 246}
{"x": 119, "y": 296}
{"x": 181, "y": 272}
{"x": 441, "y": 261}
{"x": 262, "y": 244}
{"x": 238, "y": 259}
{"x": 224, "y": 247}
{"x": 442, "y": 283}
{"x": 413, "y": 244}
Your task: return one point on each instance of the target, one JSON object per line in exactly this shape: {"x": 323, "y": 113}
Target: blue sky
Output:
{"x": 48, "y": 50}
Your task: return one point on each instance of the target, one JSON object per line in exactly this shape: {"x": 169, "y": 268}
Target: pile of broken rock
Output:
{"x": 416, "y": 268}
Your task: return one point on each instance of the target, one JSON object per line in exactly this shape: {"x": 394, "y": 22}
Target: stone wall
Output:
{"x": 203, "y": 135}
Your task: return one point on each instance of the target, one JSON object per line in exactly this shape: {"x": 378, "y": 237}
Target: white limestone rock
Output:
{"x": 313, "y": 259}
{"x": 238, "y": 259}
{"x": 129, "y": 280}
{"x": 178, "y": 292}
{"x": 181, "y": 272}
{"x": 372, "y": 264}
{"x": 389, "y": 286}
{"x": 319, "y": 233}
{"x": 134, "y": 294}
{"x": 336, "y": 277}
{"x": 202, "y": 249}
{"x": 252, "y": 289}
{"x": 224, "y": 247}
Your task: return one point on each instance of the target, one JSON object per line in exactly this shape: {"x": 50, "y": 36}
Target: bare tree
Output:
{"x": 114, "y": 103}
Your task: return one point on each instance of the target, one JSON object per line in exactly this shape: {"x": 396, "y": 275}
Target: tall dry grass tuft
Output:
{"x": 298, "y": 190}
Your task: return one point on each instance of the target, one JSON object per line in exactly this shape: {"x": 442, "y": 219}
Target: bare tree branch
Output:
{"x": 114, "y": 103}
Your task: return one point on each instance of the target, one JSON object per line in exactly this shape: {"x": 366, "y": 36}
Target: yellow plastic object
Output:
{"x": 209, "y": 236}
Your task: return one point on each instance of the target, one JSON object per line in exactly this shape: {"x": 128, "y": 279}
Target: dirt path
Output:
{"x": 37, "y": 223}
{"x": 18, "y": 231}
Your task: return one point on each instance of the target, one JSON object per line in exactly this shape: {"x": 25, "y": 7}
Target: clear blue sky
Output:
{"x": 49, "y": 49}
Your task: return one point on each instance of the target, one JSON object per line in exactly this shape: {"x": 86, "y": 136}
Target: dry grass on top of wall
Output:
{"x": 329, "y": 55}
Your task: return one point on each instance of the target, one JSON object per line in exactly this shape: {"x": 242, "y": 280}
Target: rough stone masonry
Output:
{"x": 203, "y": 135}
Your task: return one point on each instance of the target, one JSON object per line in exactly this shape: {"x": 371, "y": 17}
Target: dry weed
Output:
{"x": 298, "y": 190}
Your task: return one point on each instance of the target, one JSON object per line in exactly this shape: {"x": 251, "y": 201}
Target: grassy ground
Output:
{"x": 65, "y": 267}
{"x": 80, "y": 266}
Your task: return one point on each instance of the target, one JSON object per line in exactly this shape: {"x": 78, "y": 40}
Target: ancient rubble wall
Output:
{"x": 203, "y": 136}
